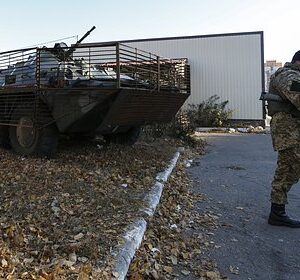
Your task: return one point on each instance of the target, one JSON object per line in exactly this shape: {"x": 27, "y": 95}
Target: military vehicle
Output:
{"x": 107, "y": 88}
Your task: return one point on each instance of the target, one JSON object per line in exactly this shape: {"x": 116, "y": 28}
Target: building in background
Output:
{"x": 270, "y": 68}
{"x": 229, "y": 65}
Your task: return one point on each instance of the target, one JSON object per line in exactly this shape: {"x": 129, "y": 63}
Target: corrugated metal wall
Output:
{"x": 228, "y": 65}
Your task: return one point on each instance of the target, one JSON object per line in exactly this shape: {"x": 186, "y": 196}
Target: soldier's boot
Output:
{"x": 278, "y": 217}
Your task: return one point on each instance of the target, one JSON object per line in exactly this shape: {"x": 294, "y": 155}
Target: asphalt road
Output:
{"x": 236, "y": 174}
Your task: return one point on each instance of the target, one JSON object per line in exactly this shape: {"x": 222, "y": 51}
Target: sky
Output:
{"x": 33, "y": 22}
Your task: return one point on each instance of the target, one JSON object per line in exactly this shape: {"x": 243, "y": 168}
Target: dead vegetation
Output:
{"x": 60, "y": 218}
{"x": 171, "y": 249}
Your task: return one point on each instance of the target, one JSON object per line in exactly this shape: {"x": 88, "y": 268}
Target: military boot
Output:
{"x": 278, "y": 217}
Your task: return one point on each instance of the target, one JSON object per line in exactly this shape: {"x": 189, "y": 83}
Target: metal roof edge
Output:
{"x": 183, "y": 37}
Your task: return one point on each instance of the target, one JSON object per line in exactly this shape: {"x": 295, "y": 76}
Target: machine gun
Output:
{"x": 61, "y": 50}
{"x": 69, "y": 52}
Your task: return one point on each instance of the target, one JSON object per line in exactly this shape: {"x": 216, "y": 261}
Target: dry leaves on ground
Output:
{"x": 178, "y": 234}
{"x": 60, "y": 218}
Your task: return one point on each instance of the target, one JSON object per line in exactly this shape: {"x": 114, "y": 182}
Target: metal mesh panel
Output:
{"x": 25, "y": 75}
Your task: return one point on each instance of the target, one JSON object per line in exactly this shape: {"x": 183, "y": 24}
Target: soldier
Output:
{"x": 285, "y": 130}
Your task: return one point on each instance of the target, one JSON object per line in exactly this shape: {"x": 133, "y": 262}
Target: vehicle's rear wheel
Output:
{"x": 127, "y": 138}
{"x": 4, "y": 137}
{"x": 27, "y": 138}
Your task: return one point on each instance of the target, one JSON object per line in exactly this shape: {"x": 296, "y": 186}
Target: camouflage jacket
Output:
{"x": 285, "y": 128}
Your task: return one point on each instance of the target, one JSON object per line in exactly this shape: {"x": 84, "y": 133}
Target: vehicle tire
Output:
{"x": 32, "y": 140}
{"x": 4, "y": 137}
{"x": 126, "y": 138}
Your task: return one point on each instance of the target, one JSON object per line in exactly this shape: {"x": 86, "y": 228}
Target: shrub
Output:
{"x": 209, "y": 113}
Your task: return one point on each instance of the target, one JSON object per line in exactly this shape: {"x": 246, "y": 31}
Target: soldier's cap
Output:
{"x": 296, "y": 57}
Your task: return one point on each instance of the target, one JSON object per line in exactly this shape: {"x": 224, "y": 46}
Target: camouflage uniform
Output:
{"x": 285, "y": 129}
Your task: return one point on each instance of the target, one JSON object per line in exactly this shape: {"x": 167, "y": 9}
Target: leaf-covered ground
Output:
{"x": 60, "y": 218}
{"x": 178, "y": 234}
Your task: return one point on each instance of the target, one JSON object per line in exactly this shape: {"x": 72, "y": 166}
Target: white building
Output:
{"x": 228, "y": 65}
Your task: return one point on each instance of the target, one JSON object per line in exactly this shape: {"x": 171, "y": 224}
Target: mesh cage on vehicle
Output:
{"x": 28, "y": 75}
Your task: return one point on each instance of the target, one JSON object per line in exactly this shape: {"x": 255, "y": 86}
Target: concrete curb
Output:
{"x": 252, "y": 129}
{"x": 136, "y": 230}
{"x": 132, "y": 241}
{"x": 163, "y": 176}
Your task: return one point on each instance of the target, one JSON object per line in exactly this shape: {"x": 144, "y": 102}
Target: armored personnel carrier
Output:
{"x": 106, "y": 88}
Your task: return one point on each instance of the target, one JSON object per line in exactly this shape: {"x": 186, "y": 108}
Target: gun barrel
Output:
{"x": 85, "y": 35}
{"x": 73, "y": 48}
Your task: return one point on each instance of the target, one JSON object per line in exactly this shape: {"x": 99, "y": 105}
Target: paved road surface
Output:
{"x": 236, "y": 174}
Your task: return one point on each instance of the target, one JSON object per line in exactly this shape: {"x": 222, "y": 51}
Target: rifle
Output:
{"x": 265, "y": 96}
{"x": 69, "y": 52}
{"x": 277, "y": 104}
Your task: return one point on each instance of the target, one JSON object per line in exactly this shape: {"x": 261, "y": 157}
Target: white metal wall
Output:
{"x": 229, "y": 66}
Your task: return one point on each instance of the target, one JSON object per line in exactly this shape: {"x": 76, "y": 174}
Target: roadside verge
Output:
{"x": 135, "y": 231}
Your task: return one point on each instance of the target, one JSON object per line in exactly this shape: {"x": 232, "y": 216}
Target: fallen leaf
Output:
{"x": 174, "y": 260}
{"x": 185, "y": 272}
{"x": 4, "y": 263}
{"x": 115, "y": 274}
{"x": 78, "y": 236}
{"x": 212, "y": 275}
{"x": 234, "y": 270}
{"x": 168, "y": 269}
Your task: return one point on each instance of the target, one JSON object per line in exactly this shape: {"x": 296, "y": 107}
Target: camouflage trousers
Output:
{"x": 286, "y": 175}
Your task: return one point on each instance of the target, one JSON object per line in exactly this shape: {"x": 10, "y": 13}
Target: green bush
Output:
{"x": 209, "y": 113}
